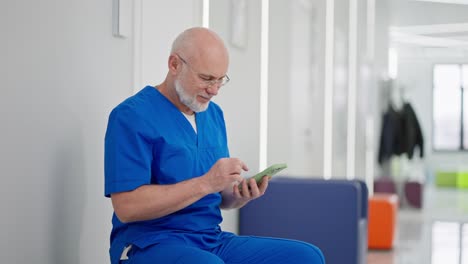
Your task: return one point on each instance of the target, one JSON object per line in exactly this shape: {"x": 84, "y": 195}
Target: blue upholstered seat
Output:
{"x": 331, "y": 214}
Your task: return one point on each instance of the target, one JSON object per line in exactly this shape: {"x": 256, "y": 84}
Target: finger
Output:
{"x": 254, "y": 188}
{"x": 239, "y": 186}
{"x": 245, "y": 189}
{"x": 236, "y": 166}
{"x": 264, "y": 184}
{"x": 236, "y": 190}
{"x": 241, "y": 164}
{"x": 237, "y": 178}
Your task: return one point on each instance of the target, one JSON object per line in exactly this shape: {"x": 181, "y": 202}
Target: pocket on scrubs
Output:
{"x": 176, "y": 165}
{"x": 212, "y": 154}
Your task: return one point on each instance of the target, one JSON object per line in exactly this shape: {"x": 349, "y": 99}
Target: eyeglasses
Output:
{"x": 209, "y": 81}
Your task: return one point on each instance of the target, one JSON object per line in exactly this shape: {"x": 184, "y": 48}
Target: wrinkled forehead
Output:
{"x": 210, "y": 59}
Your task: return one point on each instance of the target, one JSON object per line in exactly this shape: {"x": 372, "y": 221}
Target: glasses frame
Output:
{"x": 208, "y": 83}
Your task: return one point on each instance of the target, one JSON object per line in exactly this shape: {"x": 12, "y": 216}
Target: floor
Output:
{"x": 435, "y": 234}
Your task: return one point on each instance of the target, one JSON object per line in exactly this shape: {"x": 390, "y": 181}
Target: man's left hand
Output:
{"x": 248, "y": 191}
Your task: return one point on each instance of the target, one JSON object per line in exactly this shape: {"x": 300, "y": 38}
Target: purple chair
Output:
{"x": 384, "y": 185}
{"x": 413, "y": 193}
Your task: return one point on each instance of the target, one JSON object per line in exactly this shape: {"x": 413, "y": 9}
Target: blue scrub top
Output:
{"x": 149, "y": 141}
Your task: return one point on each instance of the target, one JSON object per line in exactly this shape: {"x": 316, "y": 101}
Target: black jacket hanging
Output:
{"x": 401, "y": 133}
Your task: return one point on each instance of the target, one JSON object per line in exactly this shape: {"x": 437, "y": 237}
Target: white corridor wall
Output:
{"x": 61, "y": 72}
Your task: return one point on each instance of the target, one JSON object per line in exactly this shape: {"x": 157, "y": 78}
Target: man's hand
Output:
{"x": 224, "y": 173}
{"x": 235, "y": 198}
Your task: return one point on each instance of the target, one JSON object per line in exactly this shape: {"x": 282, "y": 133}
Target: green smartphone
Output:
{"x": 270, "y": 171}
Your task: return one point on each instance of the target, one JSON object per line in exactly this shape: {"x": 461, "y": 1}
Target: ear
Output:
{"x": 173, "y": 64}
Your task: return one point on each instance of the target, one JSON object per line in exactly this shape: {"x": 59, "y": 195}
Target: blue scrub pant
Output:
{"x": 236, "y": 249}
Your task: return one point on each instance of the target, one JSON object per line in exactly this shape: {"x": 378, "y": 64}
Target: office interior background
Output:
{"x": 310, "y": 81}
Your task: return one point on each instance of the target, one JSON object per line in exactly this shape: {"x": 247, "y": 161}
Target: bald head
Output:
{"x": 200, "y": 43}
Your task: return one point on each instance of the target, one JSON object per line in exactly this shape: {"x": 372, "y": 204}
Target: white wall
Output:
{"x": 62, "y": 72}
{"x": 279, "y": 149}
{"x": 158, "y": 29}
{"x": 305, "y": 86}
{"x": 297, "y": 87}
{"x": 365, "y": 91}
{"x": 340, "y": 85}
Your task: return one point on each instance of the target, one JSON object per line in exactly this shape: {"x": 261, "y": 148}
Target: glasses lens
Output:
{"x": 220, "y": 82}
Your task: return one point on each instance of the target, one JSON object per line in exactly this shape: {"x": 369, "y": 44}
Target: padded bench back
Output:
{"x": 326, "y": 213}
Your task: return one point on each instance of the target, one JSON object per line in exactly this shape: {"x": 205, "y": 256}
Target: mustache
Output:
{"x": 206, "y": 96}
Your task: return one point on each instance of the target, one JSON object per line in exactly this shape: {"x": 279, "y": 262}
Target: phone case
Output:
{"x": 270, "y": 171}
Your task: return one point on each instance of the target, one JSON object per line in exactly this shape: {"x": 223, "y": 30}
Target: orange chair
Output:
{"x": 383, "y": 209}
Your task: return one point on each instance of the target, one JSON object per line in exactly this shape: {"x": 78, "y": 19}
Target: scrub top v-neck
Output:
{"x": 149, "y": 141}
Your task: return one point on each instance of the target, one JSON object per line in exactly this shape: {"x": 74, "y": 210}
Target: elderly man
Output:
{"x": 168, "y": 171}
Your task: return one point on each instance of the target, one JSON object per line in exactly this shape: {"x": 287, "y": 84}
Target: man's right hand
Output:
{"x": 224, "y": 173}
{"x": 152, "y": 201}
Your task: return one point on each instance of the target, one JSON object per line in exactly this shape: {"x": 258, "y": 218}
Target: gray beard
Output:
{"x": 190, "y": 102}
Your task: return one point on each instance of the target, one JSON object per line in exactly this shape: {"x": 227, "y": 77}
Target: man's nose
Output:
{"x": 213, "y": 89}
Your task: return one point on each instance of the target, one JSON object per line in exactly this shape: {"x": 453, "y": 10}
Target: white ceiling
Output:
{"x": 462, "y": 2}
{"x": 435, "y": 35}
{"x": 454, "y": 35}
